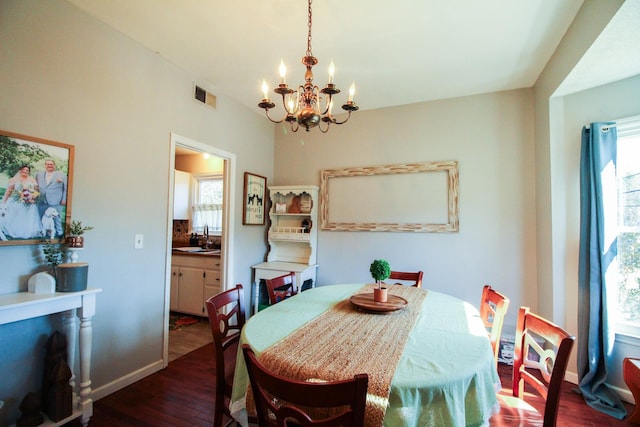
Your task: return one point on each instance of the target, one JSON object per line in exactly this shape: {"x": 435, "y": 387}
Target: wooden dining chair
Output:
{"x": 226, "y": 319}
{"x": 541, "y": 355}
{"x": 493, "y": 309}
{"x": 281, "y": 287}
{"x": 282, "y": 401}
{"x": 416, "y": 278}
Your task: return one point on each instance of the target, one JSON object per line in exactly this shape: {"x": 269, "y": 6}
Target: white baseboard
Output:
{"x": 623, "y": 393}
{"x": 129, "y": 379}
{"x": 571, "y": 377}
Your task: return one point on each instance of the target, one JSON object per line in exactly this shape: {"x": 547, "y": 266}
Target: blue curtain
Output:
{"x": 598, "y": 249}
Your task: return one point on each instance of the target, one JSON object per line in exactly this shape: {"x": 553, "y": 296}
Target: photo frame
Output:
{"x": 409, "y": 197}
{"x": 254, "y": 200}
{"x": 36, "y": 181}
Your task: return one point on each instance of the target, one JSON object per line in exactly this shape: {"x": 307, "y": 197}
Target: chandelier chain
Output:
{"x": 309, "y": 34}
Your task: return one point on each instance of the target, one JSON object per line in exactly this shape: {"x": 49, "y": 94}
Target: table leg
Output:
{"x": 86, "y": 334}
{"x": 256, "y": 295}
{"x": 69, "y": 327}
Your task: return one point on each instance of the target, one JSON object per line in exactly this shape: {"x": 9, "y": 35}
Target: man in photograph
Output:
{"x": 53, "y": 192}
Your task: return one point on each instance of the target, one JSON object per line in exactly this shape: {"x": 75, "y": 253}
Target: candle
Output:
{"x": 283, "y": 72}
{"x": 332, "y": 70}
{"x": 352, "y": 91}
{"x": 265, "y": 89}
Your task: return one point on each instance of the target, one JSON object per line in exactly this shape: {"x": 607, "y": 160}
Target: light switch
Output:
{"x": 139, "y": 243}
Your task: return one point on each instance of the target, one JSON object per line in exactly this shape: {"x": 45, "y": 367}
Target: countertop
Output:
{"x": 195, "y": 251}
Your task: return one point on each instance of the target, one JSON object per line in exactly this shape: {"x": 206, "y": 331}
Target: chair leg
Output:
{"x": 631, "y": 375}
{"x": 218, "y": 412}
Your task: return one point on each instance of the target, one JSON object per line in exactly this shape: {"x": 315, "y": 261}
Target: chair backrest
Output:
{"x": 493, "y": 308}
{"x": 411, "y": 277}
{"x": 226, "y": 319}
{"x": 281, "y": 287}
{"x": 541, "y": 355}
{"x": 282, "y": 401}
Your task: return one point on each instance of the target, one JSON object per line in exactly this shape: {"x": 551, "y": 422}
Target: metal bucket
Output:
{"x": 72, "y": 277}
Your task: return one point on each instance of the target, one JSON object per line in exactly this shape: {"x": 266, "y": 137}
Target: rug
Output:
{"x": 178, "y": 321}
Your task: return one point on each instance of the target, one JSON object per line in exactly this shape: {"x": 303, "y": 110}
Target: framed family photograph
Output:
{"x": 255, "y": 190}
{"x": 36, "y": 177}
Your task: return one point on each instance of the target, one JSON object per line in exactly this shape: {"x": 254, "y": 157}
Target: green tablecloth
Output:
{"x": 446, "y": 375}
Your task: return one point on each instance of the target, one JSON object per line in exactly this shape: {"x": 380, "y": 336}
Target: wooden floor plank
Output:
{"x": 183, "y": 395}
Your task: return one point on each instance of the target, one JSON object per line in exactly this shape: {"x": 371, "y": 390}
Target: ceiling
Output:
{"x": 399, "y": 52}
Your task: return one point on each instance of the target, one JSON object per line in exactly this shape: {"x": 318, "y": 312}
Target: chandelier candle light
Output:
{"x": 305, "y": 108}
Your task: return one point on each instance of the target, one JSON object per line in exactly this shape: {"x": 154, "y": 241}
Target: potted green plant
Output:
{"x": 380, "y": 270}
{"x": 53, "y": 255}
{"x": 75, "y": 231}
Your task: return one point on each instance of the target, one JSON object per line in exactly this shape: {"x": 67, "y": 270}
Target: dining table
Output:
{"x": 429, "y": 358}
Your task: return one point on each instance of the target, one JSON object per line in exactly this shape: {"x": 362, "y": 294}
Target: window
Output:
{"x": 628, "y": 260}
{"x": 207, "y": 209}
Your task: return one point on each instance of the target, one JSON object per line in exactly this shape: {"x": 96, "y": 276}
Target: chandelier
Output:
{"x": 309, "y": 106}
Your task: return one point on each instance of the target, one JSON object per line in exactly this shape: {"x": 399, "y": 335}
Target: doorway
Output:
{"x": 181, "y": 146}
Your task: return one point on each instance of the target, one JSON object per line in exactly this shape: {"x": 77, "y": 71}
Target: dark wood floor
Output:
{"x": 182, "y": 395}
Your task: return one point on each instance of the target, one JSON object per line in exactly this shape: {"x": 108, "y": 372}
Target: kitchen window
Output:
{"x": 207, "y": 209}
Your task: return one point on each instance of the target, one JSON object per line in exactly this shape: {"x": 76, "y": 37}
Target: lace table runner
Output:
{"x": 345, "y": 341}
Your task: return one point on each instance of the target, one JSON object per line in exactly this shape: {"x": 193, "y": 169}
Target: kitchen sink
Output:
{"x": 197, "y": 249}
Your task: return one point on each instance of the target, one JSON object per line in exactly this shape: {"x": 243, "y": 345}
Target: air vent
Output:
{"x": 205, "y": 97}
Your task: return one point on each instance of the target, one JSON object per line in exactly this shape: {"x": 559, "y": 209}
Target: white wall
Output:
{"x": 608, "y": 102}
{"x": 592, "y": 18}
{"x": 491, "y": 137}
{"x": 68, "y": 78}
{"x": 558, "y": 123}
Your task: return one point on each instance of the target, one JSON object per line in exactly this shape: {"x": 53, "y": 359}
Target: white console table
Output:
{"x": 26, "y": 305}
{"x": 269, "y": 270}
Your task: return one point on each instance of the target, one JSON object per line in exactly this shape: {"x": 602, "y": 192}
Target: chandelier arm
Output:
{"x": 344, "y": 121}
{"x": 327, "y": 104}
{"x": 274, "y": 121}
{"x": 326, "y": 129}
{"x": 284, "y": 104}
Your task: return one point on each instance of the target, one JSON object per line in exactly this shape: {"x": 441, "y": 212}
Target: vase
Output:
{"x": 380, "y": 294}
{"x": 75, "y": 241}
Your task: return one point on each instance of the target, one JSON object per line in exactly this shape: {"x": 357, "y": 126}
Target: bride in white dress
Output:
{"x": 23, "y": 220}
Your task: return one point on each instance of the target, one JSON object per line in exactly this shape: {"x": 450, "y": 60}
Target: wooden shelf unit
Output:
{"x": 292, "y": 245}
{"x": 289, "y": 239}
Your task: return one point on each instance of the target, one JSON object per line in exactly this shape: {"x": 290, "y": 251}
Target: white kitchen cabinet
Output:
{"x": 173, "y": 297}
{"x": 212, "y": 282}
{"x": 194, "y": 278}
{"x": 181, "y": 194}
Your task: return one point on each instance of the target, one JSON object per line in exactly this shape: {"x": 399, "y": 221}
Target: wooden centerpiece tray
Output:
{"x": 365, "y": 301}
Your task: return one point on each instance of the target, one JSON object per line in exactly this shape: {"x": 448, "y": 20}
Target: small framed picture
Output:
{"x": 281, "y": 208}
{"x": 255, "y": 190}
